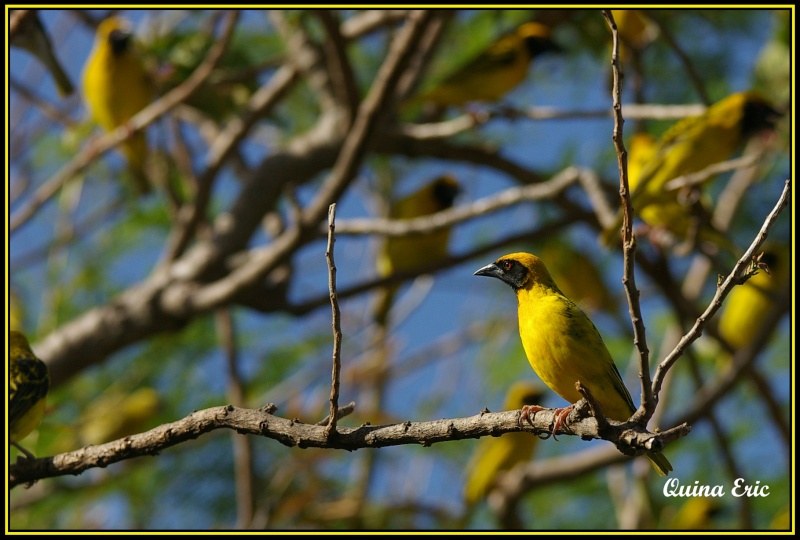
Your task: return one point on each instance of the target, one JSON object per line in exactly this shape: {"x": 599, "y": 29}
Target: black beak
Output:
{"x": 490, "y": 270}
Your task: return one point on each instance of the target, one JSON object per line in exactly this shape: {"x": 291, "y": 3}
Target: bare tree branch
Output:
{"x": 335, "y": 323}
{"x": 292, "y": 433}
{"x": 724, "y": 288}
{"x": 648, "y": 400}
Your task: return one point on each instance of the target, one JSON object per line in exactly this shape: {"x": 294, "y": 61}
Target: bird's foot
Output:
{"x": 560, "y": 417}
{"x": 528, "y": 412}
{"x": 28, "y": 455}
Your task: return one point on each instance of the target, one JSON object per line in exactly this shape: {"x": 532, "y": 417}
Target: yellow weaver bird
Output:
{"x": 642, "y": 149}
{"x": 681, "y": 219}
{"x": 495, "y": 71}
{"x": 405, "y": 254}
{"x": 497, "y": 454}
{"x": 696, "y": 514}
{"x": 562, "y": 344}
{"x": 750, "y": 302}
{"x": 688, "y": 147}
{"x": 116, "y": 87}
{"x": 636, "y": 31}
{"x": 31, "y": 36}
{"x": 28, "y": 382}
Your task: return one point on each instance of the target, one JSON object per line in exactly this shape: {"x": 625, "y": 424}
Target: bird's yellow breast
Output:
{"x": 563, "y": 347}
{"x": 115, "y": 87}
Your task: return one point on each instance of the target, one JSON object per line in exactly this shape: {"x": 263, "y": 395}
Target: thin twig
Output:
{"x": 628, "y": 242}
{"x": 341, "y": 412}
{"x": 723, "y": 290}
{"x": 740, "y": 364}
{"x": 745, "y": 161}
{"x": 335, "y": 323}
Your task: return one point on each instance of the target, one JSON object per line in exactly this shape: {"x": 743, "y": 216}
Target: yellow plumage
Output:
{"x": 782, "y": 520}
{"x": 750, "y": 302}
{"x": 31, "y": 36}
{"x": 405, "y": 254}
{"x": 688, "y": 147}
{"x": 28, "y": 382}
{"x": 495, "y": 71}
{"x": 668, "y": 213}
{"x": 641, "y": 150}
{"x": 635, "y": 29}
{"x": 116, "y": 87}
{"x": 696, "y": 514}
{"x": 497, "y": 454}
{"x": 561, "y": 343}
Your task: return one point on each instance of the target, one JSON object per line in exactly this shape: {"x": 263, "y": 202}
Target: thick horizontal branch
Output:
{"x": 633, "y": 439}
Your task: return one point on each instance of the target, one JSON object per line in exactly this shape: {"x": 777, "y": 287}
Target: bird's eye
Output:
{"x": 507, "y": 265}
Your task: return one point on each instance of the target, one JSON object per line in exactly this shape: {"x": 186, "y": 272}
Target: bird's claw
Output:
{"x": 560, "y": 418}
{"x": 528, "y": 412}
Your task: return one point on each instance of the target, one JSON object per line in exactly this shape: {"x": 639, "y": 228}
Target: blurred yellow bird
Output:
{"x": 495, "y": 71}
{"x": 28, "y": 382}
{"x": 696, "y": 514}
{"x": 31, "y": 36}
{"x": 114, "y": 415}
{"x": 670, "y": 213}
{"x": 636, "y": 30}
{"x": 642, "y": 149}
{"x": 749, "y": 303}
{"x": 494, "y": 455}
{"x": 116, "y": 87}
{"x": 688, "y": 147}
{"x": 578, "y": 275}
{"x": 782, "y": 520}
{"x": 406, "y": 254}
{"x": 562, "y": 344}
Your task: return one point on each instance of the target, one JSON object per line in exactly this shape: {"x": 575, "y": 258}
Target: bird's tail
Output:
{"x": 660, "y": 463}
{"x": 135, "y": 150}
